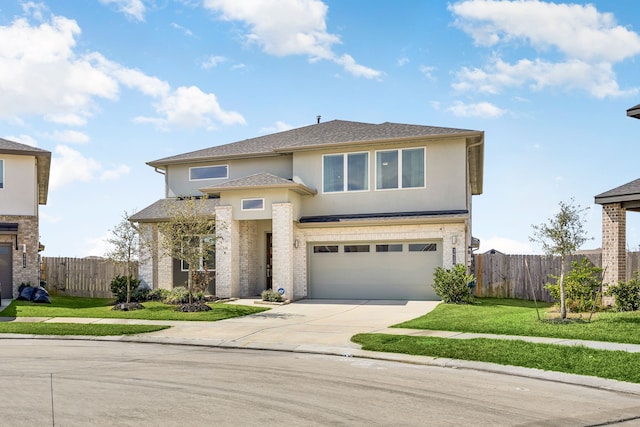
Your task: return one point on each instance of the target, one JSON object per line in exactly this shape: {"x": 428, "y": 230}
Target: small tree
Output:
{"x": 189, "y": 236}
{"x": 562, "y": 235}
{"x": 125, "y": 243}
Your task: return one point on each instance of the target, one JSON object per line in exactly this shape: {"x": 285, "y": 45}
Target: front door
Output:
{"x": 6, "y": 271}
{"x": 269, "y": 261}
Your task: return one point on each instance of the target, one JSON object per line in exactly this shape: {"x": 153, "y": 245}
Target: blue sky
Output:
{"x": 107, "y": 85}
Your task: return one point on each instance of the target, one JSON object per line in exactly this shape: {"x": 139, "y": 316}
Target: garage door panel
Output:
{"x": 373, "y": 275}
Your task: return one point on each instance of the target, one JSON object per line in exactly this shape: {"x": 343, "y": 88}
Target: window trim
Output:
{"x": 345, "y": 172}
{"x": 226, "y": 166}
{"x": 261, "y": 208}
{"x": 399, "y": 183}
{"x": 201, "y": 266}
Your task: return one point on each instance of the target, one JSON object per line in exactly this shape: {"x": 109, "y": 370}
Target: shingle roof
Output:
{"x": 634, "y": 112}
{"x": 317, "y": 135}
{"x": 159, "y": 211}
{"x": 43, "y": 165}
{"x": 624, "y": 193}
{"x": 259, "y": 180}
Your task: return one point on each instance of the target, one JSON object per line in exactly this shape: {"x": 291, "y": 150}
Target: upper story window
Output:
{"x": 1, "y": 174}
{"x": 208, "y": 172}
{"x": 345, "y": 172}
{"x": 400, "y": 168}
{"x": 252, "y": 204}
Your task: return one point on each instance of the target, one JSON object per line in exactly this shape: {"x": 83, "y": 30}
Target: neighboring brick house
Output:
{"x": 339, "y": 209}
{"x": 24, "y": 185}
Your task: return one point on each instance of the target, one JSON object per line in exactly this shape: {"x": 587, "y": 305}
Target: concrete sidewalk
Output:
{"x": 326, "y": 327}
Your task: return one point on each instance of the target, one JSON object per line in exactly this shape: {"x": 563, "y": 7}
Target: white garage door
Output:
{"x": 374, "y": 270}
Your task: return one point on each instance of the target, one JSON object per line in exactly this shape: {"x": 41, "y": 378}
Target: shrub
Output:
{"x": 453, "y": 285}
{"x": 180, "y": 295}
{"x": 581, "y": 286}
{"x": 158, "y": 294}
{"x": 271, "y": 295}
{"x": 626, "y": 294}
{"x": 119, "y": 287}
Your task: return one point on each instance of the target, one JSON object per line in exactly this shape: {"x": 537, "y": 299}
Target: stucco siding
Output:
{"x": 445, "y": 183}
{"x": 20, "y": 192}
{"x": 178, "y": 183}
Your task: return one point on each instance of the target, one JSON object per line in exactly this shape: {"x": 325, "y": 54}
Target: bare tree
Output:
{"x": 125, "y": 244}
{"x": 189, "y": 236}
{"x": 562, "y": 235}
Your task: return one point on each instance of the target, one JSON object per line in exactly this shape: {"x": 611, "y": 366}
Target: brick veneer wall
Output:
{"x": 614, "y": 255}
{"x": 248, "y": 250}
{"x": 283, "y": 241}
{"x": 29, "y": 236}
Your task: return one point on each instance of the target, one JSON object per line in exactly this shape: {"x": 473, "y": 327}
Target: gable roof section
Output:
{"x": 258, "y": 181}
{"x": 634, "y": 112}
{"x": 43, "y": 158}
{"x": 627, "y": 194}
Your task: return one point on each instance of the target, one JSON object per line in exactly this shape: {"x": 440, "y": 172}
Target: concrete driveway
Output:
{"x": 305, "y": 323}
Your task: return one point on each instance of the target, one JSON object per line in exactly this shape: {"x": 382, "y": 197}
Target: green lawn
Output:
{"x": 39, "y": 328}
{"x": 102, "y": 308}
{"x": 618, "y": 365}
{"x": 517, "y": 317}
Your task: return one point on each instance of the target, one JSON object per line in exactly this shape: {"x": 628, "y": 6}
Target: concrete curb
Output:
{"x": 551, "y": 376}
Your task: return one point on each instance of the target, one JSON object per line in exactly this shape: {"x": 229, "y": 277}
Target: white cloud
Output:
{"x": 427, "y": 71}
{"x": 505, "y": 245}
{"x": 289, "y": 27}
{"x": 69, "y": 165}
{"x": 402, "y": 61}
{"x": 480, "y": 109}
{"x": 278, "y": 127}
{"x": 70, "y": 136}
{"x": 213, "y": 61}
{"x": 133, "y": 9}
{"x": 98, "y": 246}
{"x": 189, "y": 107}
{"x": 23, "y": 139}
{"x": 185, "y": 31}
{"x": 74, "y": 82}
{"x": 587, "y": 41}
{"x": 29, "y": 52}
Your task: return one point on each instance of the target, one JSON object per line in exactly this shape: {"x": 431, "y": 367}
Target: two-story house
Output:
{"x": 24, "y": 186}
{"x": 338, "y": 209}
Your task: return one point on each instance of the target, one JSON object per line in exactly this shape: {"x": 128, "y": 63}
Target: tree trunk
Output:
{"x": 563, "y": 305}
{"x": 190, "y": 284}
{"x": 128, "y": 290}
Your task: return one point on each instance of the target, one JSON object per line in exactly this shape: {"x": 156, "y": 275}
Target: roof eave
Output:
{"x": 634, "y": 112}
{"x": 400, "y": 140}
{"x": 161, "y": 164}
{"x": 298, "y": 188}
{"x": 475, "y": 146}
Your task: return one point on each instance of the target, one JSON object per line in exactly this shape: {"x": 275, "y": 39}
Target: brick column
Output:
{"x": 227, "y": 253}
{"x": 165, "y": 267}
{"x": 282, "y": 229}
{"x": 614, "y": 255}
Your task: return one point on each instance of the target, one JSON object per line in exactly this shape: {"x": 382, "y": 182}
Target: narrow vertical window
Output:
{"x": 1, "y": 173}
{"x": 386, "y": 169}
{"x": 358, "y": 171}
{"x": 333, "y": 173}
{"x": 413, "y": 168}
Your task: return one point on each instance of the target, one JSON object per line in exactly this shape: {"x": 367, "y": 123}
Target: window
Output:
{"x": 209, "y": 260}
{"x": 356, "y": 248}
{"x": 345, "y": 172}
{"x": 252, "y": 204}
{"x": 400, "y": 169}
{"x": 325, "y": 249}
{"x": 208, "y": 172}
{"x": 389, "y": 248}
{"x": 1, "y": 174}
{"x": 423, "y": 247}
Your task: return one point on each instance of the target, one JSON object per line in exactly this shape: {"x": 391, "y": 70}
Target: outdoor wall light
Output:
{"x": 296, "y": 243}
{"x": 454, "y": 239}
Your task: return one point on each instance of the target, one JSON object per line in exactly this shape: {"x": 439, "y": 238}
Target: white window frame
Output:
{"x": 184, "y": 266}
{"x": 345, "y": 172}
{"x": 2, "y": 168}
{"x": 226, "y": 166}
{"x": 261, "y": 208}
{"x": 400, "y": 187}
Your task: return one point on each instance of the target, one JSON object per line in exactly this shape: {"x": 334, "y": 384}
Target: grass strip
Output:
{"x": 617, "y": 365}
{"x": 102, "y": 308}
{"x": 517, "y": 317}
{"x": 39, "y": 328}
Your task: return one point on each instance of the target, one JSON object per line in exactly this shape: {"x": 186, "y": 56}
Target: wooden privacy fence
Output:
{"x": 507, "y": 276}
{"x": 81, "y": 277}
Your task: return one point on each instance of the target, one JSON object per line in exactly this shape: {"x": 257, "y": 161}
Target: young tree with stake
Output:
{"x": 562, "y": 235}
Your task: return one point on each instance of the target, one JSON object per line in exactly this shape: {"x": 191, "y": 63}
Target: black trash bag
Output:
{"x": 40, "y": 295}
{"x": 26, "y": 294}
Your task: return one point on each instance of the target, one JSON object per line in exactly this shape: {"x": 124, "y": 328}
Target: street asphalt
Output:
{"x": 326, "y": 327}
